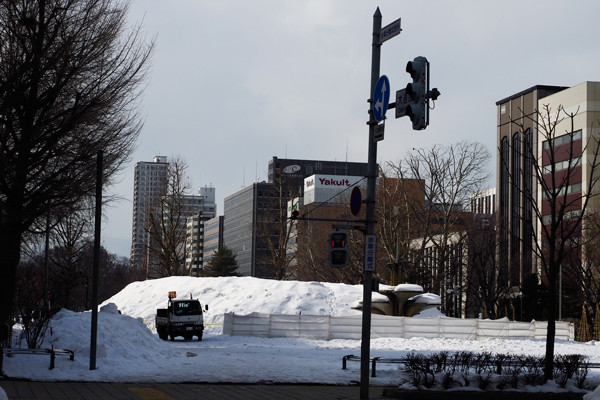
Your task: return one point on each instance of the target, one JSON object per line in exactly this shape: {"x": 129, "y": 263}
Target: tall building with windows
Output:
{"x": 246, "y": 213}
{"x": 213, "y": 237}
{"x": 522, "y": 148}
{"x": 149, "y": 184}
{"x": 201, "y": 209}
{"x": 517, "y": 138}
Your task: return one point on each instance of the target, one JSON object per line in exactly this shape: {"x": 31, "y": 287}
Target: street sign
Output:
{"x": 379, "y": 130}
{"x": 370, "y": 245}
{"x": 381, "y": 98}
{"x": 402, "y": 100}
{"x": 389, "y": 31}
{"x": 355, "y": 200}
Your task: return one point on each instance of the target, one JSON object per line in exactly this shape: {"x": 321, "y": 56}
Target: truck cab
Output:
{"x": 182, "y": 317}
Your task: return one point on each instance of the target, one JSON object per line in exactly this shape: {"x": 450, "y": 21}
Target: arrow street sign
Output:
{"x": 381, "y": 98}
{"x": 389, "y": 31}
{"x": 402, "y": 100}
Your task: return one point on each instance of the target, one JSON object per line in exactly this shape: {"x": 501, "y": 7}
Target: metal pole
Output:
{"x": 46, "y": 254}
{"x": 98, "y": 221}
{"x": 370, "y": 217}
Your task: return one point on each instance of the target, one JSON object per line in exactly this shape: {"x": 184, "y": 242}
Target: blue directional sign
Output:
{"x": 381, "y": 98}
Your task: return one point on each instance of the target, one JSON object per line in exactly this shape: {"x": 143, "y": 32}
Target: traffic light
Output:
{"x": 338, "y": 249}
{"x": 418, "y": 108}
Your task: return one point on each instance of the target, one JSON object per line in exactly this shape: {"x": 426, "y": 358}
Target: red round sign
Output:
{"x": 355, "y": 201}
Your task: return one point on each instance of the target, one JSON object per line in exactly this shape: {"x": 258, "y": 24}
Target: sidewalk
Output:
{"x": 24, "y": 390}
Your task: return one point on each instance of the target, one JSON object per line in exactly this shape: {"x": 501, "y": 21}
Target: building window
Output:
{"x": 564, "y": 139}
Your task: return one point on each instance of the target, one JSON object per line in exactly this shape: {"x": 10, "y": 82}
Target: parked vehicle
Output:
{"x": 182, "y": 317}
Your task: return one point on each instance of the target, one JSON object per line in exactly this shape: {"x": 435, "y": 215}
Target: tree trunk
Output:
{"x": 10, "y": 246}
{"x": 551, "y": 330}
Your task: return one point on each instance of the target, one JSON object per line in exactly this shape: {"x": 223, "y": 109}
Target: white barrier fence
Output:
{"x": 325, "y": 327}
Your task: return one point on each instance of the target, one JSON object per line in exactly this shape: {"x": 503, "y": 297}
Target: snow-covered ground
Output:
{"x": 129, "y": 350}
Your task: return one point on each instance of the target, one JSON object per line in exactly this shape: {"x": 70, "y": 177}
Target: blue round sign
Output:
{"x": 381, "y": 98}
{"x": 355, "y": 201}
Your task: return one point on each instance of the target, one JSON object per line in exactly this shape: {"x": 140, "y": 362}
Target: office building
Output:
{"x": 213, "y": 237}
{"x": 198, "y": 211}
{"x": 254, "y": 216}
{"x": 246, "y": 226}
{"x": 526, "y": 156}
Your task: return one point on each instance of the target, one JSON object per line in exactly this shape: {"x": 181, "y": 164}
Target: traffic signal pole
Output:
{"x": 365, "y": 348}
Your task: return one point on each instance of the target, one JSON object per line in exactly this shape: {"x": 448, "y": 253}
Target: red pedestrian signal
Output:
{"x": 338, "y": 249}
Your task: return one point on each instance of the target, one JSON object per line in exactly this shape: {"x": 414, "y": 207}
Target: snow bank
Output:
{"x": 130, "y": 351}
{"x": 240, "y": 295}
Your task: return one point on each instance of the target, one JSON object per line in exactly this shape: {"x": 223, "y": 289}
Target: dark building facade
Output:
{"x": 245, "y": 213}
{"x": 517, "y": 139}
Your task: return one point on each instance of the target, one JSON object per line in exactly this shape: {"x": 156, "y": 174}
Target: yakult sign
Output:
{"x": 333, "y": 189}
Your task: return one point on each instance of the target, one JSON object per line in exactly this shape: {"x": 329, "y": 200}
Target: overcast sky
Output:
{"x": 234, "y": 83}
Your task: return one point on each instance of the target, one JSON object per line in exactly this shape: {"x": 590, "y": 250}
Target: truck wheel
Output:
{"x": 200, "y": 336}
{"x": 171, "y": 335}
{"x": 188, "y": 337}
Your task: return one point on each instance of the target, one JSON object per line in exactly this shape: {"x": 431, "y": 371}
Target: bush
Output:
{"x": 510, "y": 369}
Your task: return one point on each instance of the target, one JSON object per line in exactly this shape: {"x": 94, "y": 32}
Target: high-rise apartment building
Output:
{"x": 149, "y": 187}
{"x": 185, "y": 230}
{"x": 149, "y": 184}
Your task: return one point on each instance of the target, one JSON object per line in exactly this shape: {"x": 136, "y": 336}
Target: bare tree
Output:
{"x": 70, "y": 79}
{"x": 484, "y": 291}
{"x": 277, "y": 231}
{"x": 72, "y": 237}
{"x": 167, "y": 221}
{"x": 447, "y": 176}
{"x": 589, "y": 267}
{"x": 559, "y": 213}
{"x": 397, "y": 198}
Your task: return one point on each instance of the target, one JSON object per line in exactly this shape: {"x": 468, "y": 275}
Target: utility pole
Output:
{"x": 97, "y": 232}
{"x": 365, "y": 347}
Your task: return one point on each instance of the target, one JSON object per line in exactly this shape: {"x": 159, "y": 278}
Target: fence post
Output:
{"x": 403, "y": 325}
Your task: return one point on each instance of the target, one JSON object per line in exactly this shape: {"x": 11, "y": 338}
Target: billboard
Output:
{"x": 331, "y": 189}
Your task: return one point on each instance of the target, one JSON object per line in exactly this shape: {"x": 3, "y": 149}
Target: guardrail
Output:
{"x": 53, "y": 353}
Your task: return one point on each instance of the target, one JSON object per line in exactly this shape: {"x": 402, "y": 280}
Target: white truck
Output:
{"x": 182, "y": 317}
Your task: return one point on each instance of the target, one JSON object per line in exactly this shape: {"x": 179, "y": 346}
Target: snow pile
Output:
{"x": 240, "y": 295}
{"x": 128, "y": 349}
